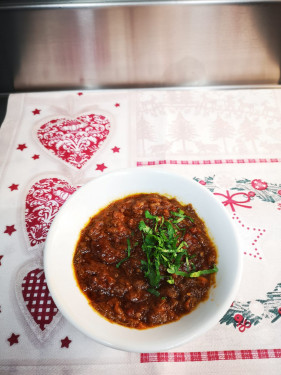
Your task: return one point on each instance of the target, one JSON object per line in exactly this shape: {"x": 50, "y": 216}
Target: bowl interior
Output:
{"x": 93, "y": 196}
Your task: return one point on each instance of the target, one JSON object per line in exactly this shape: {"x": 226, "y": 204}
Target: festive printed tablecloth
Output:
{"x": 52, "y": 143}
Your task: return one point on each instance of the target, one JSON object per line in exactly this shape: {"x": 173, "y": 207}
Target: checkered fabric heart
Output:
{"x": 38, "y": 299}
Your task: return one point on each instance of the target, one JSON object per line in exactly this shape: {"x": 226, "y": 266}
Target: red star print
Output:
{"x": 1, "y": 256}
{"x": 115, "y": 149}
{"x": 13, "y": 339}
{"x": 35, "y": 156}
{"x": 13, "y": 187}
{"x": 65, "y": 342}
{"x": 10, "y": 229}
{"x": 101, "y": 167}
{"x": 21, "y": 146}
{"x": 80, "y": 93}
{"x": 36, "y": 111}
{"x": 117, "y": 105}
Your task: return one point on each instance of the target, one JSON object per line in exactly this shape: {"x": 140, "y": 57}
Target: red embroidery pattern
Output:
{"x": 74, "y": 141}
{"x": 43, "y": 201}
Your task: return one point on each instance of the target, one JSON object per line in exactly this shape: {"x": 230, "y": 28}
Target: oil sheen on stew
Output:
{"x": 145, "y": 260}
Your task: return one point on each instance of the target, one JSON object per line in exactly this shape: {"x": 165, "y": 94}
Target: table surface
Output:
{"x": 228, "y": 141}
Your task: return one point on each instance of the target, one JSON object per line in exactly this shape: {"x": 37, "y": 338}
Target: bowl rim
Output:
{"x": 134, "y": 347}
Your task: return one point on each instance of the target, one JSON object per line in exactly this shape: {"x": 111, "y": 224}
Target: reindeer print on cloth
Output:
{"x": 74, "y": 141}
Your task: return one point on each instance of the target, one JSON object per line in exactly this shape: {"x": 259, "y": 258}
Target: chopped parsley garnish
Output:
{"x": 181, "y": 216}
{"x": 128, "y": 252}
{"x": 165, "y": 254}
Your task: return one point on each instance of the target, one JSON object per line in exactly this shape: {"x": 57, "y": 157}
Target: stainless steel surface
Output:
{"x": 172, "y": 44}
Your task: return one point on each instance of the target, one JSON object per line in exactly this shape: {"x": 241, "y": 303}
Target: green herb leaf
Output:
{"x": 187, "y": 263}
{"x": 121, "y": 261}
{"x": 203, "y": 272}
{"x": 179, "y": 214}
{"x": 153, "y": 291}
{"x": 182, "y": 216}
{"x": 178, "y": 220}
{"x": 164, "y": 251}
{"x": 182, "y": 273}
{"x": 171, "y": 280}
{"x": 144, "y": 228}
{"x": 129, "y": 248}
{"x": 149, "y": 216}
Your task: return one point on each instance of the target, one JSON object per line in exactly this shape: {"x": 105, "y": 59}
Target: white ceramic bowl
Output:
{"x": 93, "y": 196}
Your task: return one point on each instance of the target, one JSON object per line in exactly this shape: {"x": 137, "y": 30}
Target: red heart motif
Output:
{"x": 37, "y": 298}
{"x": 42, "y": 203}
{"x": 74, "y": 140}
{"x": 35, "y": 302}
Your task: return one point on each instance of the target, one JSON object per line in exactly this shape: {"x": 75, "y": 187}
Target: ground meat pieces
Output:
{"x": 114, "y": 282}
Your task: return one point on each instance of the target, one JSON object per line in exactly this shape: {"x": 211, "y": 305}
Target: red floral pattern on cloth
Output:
{"x": 42, "y": 203}
{"x": 74, "y": 141}
{"x": 37, "y": 298}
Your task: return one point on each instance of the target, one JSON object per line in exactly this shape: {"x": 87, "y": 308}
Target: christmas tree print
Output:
{"x": 271, "y": 307}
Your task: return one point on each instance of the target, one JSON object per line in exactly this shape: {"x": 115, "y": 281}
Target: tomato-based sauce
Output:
{"x": 148, "y": 274}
